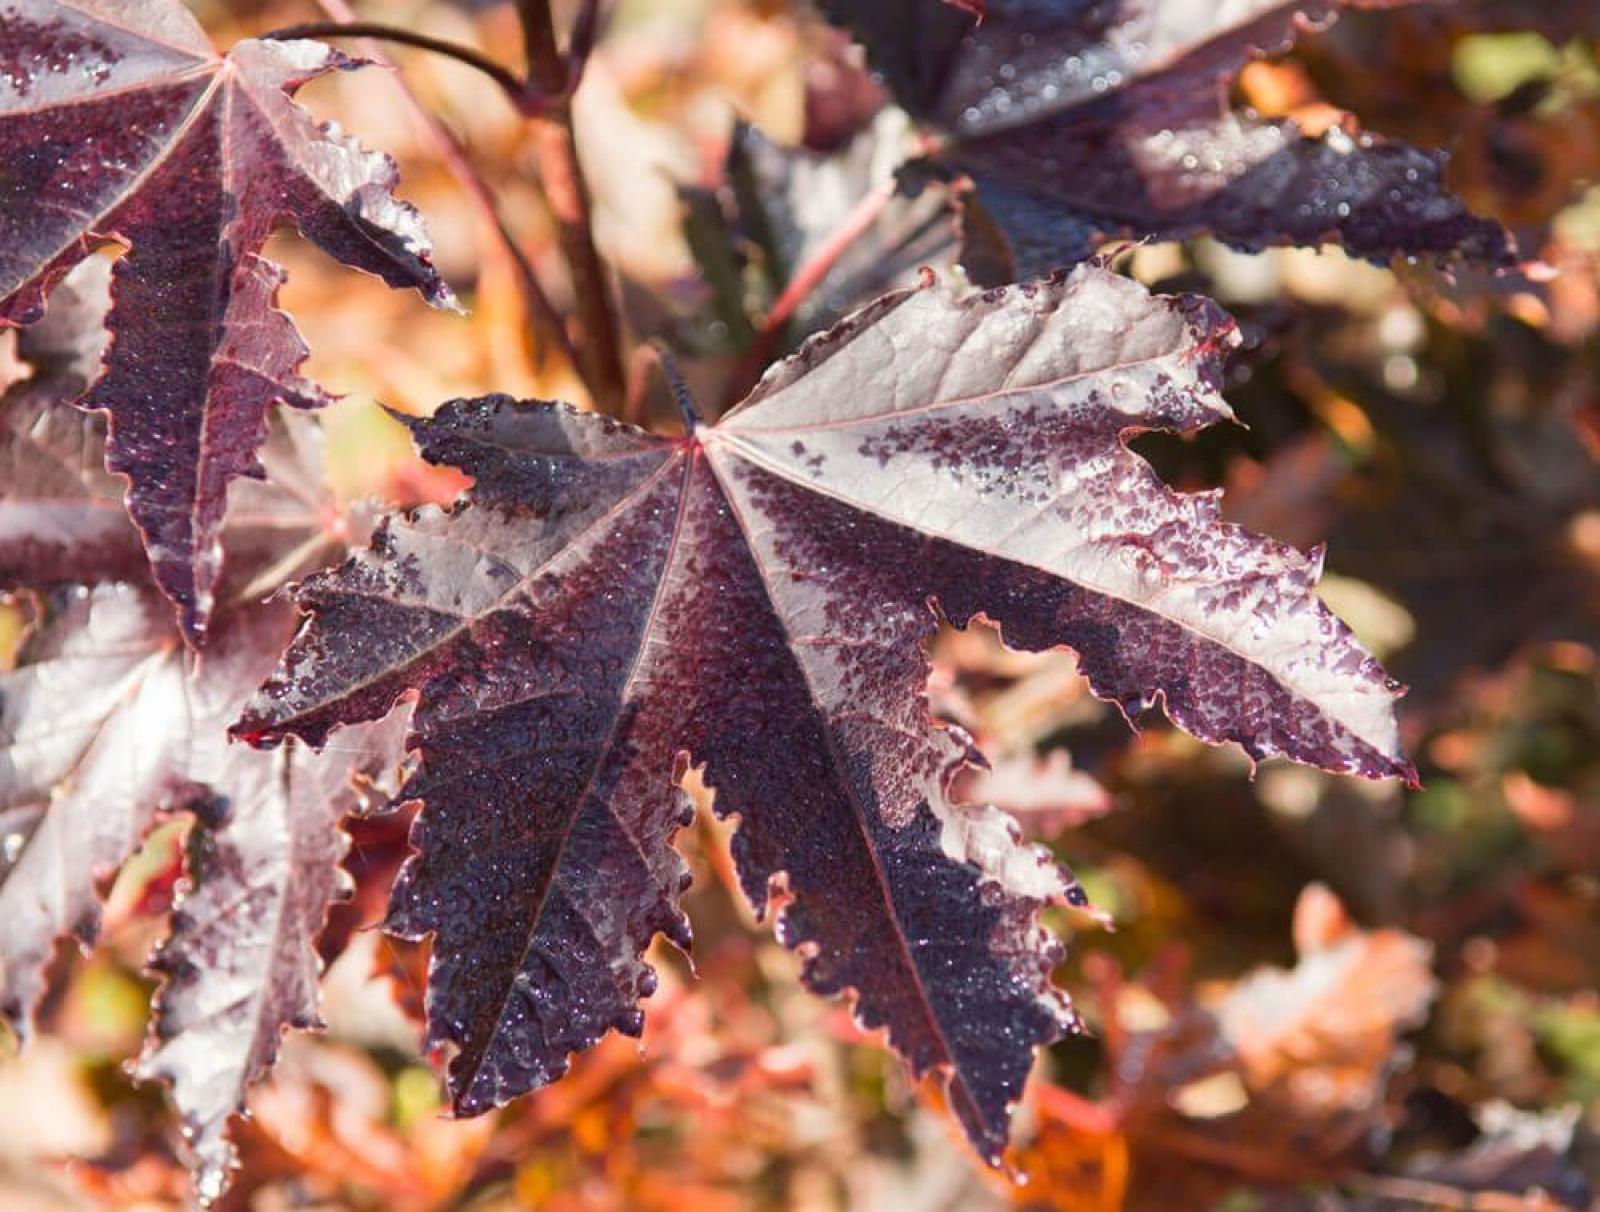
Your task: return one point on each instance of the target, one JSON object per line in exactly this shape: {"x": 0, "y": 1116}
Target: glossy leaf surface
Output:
{"x": 605, "y": 605}
{"x": 1080, "y": 120}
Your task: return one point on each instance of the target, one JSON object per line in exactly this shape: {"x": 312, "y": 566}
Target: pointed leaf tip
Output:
{"x": 603, "y": 601}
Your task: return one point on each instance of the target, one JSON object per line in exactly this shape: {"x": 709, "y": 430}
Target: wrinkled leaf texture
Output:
{"x": 1079, "y": 119}
{"x": 120, "y": 124}
{"x": 606, "y": 605}
{"x": 62, "y": 520}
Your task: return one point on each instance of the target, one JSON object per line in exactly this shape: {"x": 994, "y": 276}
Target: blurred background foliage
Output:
{"x": 1317, "y": 994}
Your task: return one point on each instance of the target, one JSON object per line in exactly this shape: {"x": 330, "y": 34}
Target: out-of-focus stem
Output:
{"x": 546, "y": 320}
{"x": 509, "y": 82}
{"x": 560, "y": 171}
{"x": 568, "y": 195}
{"x": 585, "y": 32}
{"x": 547, "y": 68}
{"x": 552, "y": 75}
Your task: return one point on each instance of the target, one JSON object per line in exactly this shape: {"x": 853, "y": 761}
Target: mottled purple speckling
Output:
{"x": 604, "y": 606}
{"x": 62, "y": 519}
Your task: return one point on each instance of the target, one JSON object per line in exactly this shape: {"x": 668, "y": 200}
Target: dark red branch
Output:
{"x": 547, "y": 322}
{"x": 547, "y": 67}
{"x": 510, "y": 83}
{"x": 565, "y": 188}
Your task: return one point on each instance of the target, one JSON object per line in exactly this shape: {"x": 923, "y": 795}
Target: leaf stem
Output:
{"x": 681, "y": 395}
{"x": 510, "y": 83}
{"x": 567, "y": 192}
{"x": 552, "y": 76}
{"x": 545, "y": 99}
{"x": 543, "y": 316}
{"x": 806, "y": 279}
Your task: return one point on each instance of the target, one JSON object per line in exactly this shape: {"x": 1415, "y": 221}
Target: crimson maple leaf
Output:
{"x": 1078, "y": 120}
{"x": 605, "y": 606}
{"x": 120, "y": 123}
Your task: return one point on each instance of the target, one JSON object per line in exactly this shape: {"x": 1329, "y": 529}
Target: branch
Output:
{"x": 547, "y": 69}
{"x": 546, "y": 320}
{"x": 510, "y": 83}
{"x": 681, "y": 395}
{"x": 552, "y": 77}
{"x": 585, "y": 33}
{"x": 567, "y": 191}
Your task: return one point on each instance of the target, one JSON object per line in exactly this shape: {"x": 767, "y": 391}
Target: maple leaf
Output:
{"x": 1459, "y": 505}
{"x": 145, "y": 736}
{"x": 1081, "y": 120}
{"x": 1558, "y": 20}
{"x": 794, "y": 239}
{"x": 85, "y": 769}
{"x": 109, "y": 723}
{"x": 1042, "y": 791}
{"x": 605, "y": 605}
{"x": 1278, "y": 1081}
{"x": 120, "y": 123}
{"x": 263, "y": 867}
{"x": 62, "y": 520}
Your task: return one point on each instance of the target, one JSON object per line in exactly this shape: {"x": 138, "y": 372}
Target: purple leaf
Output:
{"x": 145, "y": 736}
{"x": 790, "y": 203}
{"x": 94, "y": 731}
{"x": 118, "y": 122}
{"x": 62, "y": 521}
{"x": 1079, "y": 120}
{"x": 262, "y": 870}
{"x": 109, "y": 723}
{"x": 541, "y": 906}
{"x": 605, "y": 605}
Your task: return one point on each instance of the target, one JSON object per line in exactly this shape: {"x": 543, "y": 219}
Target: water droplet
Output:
{"x": 209, "y": 1186}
